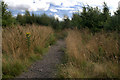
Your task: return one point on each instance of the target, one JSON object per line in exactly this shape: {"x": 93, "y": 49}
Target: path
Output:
{"x": 47, "y": 67}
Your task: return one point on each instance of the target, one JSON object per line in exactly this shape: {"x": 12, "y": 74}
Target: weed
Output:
{"x": 28, "y": 40}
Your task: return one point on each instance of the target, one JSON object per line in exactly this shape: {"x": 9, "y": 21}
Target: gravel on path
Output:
{"x": 47, "y": 67}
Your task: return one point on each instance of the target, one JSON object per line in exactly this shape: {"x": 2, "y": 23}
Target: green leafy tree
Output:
{"x": 7, "y": 19}
{"x": 106, "y": 17}
{"x": 28, "y": 17}
{"x": 76, "y": 21}
{"x": 116, "y": 20}
{"x": 106, "y": 13}
{"x": 90, "y": 17}
{"x": 67, "y": 22}
{"x": 21, "y": 19}
{"x": 56, "y": 24}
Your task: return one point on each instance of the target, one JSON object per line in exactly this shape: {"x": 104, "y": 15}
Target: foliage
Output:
{"x": 96, "y": 20}
{"x": 90, "y": 17}
{"x": 76, "y": 20}
{"x": 7, "y": 18}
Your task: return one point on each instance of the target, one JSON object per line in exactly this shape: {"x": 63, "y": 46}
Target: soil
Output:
{"x": 47, "y": 67}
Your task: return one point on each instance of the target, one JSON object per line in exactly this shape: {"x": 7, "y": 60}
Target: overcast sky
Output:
{"x": 57, "y": 8}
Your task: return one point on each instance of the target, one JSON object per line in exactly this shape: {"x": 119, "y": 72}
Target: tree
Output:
{"x": 67, "y": 22}
{"x": 56, "y": 24}
{"x": 90, "y": 17}
{"x": 116, "y": 20}
{"x": 76, "y": 20}
{"x": 27, "y": 13}
{"x": 7, "y": 19}
{"x": 106, "y": 13}
{"x": 28, "y": 17}
{"x": 106, "y": 17}
{"x": 21, "y": 19}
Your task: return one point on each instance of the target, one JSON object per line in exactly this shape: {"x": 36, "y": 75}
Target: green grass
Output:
{"x": 14, "y": 68}
{"x": 40, "y": 50}
{"x": 61, "y": 35}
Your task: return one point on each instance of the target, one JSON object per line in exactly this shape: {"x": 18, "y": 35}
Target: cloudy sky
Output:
{"x": 56, "y": 8}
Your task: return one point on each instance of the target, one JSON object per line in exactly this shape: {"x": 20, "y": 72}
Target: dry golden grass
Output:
{"x": 15, "y": 48}
{"x": 91, "y": 56}
{"x": 14, "y": 39}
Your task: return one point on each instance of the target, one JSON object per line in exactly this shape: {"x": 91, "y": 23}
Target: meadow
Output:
{"x": 22, "y": 45}
{"x": 91, "y": 56}
{"x": 92, "y": 38}
{"x": 87, "y": 55}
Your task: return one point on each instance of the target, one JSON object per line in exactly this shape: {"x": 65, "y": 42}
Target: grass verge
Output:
{"x": 91, "y": 56}
{"x": 22, "y": 46}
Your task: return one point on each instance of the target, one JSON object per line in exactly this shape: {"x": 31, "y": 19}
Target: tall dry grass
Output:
{"x": 91, "y": 56}
{"x": 16, "y": 55}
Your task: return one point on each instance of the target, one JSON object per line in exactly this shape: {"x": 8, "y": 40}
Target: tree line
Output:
{"x": 90, "y": 17}
{"x": 96, "y": 20}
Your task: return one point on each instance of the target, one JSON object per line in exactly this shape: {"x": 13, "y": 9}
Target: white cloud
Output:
{"x": 119, "y": 4}
{"x": 75, "y": 11}
{"x": 112, "y": 4}
{"x": 27, "y": 5}
{"x": 53, "y": 10}
{"x": 65, "y": 8}
{"x": 58, "y": 17}
{"x": 66, "y": 4}
{"x": 50, "y": 13}
{"x": 15, "y": 15}
{"x": 22, "y": 14}
{"x": 55, "y": 2}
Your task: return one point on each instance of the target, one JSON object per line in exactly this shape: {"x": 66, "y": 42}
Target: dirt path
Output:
{"x": 47, "y": 67}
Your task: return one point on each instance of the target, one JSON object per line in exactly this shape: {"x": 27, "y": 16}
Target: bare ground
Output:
{"x": 47, "y": 67}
